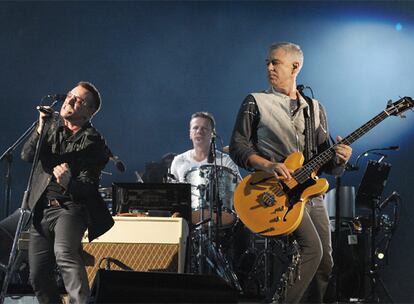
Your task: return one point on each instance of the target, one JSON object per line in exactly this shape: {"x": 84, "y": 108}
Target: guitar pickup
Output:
{"x": 278, "y": 209}
{"x": 267, "y": 199}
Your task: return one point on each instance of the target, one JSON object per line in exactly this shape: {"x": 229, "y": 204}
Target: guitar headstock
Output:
{"x": 400, "y": 106}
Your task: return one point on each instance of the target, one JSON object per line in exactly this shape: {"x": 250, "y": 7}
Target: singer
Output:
{"x": 269, "y": 127}
{"x": 64, "y": 199}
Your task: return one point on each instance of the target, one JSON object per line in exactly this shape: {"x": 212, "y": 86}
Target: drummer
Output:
{"x": 202, "y": 130}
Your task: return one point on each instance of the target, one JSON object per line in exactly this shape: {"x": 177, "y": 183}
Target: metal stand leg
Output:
{"x": 10, "y": 268}
{"x": 209, "y": 258}
{"x": 271, "y": 285}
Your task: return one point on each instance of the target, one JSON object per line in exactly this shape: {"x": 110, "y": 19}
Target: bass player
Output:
{"x": 270, "y": 125}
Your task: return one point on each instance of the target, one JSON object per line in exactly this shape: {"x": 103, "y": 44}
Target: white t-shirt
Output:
{"x": 185, "y": 170}
{"x": 184, "y": 162}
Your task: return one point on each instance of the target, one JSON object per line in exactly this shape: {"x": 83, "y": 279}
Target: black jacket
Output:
{"x": 86, "y": 154}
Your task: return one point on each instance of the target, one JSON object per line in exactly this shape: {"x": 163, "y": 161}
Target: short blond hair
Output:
{"x": 290, "y": 48}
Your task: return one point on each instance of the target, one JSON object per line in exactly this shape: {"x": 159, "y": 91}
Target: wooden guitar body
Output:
{"x": 272, "y": 207}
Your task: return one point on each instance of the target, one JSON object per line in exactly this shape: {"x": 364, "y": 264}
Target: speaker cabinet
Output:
{"x": 139, "y": 244}
{"x": 146, "y": 287}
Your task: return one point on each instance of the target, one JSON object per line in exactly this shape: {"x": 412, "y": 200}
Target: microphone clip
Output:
{"x": 212, "y": 153}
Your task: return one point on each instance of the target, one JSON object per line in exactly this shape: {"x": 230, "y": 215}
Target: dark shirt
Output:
{"x": 86, "y": 154}
{"x": 54, "y": 190}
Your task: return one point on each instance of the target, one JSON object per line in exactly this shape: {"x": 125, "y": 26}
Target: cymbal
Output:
{"x": 226, "y": 149}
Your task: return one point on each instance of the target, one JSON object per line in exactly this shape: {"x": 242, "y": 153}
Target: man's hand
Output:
{"x": 343, "y": 152}
{"x": 278, "y": 169}
{"x": 42, "y": 119}
{"x": 62, "y": 174}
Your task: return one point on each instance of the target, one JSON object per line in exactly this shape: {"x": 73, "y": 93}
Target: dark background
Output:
{"x": 155, "y": 63}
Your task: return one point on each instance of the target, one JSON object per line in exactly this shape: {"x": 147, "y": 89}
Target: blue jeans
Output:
{"x": 55, "y": 238}
{"x": 314, "y": 238}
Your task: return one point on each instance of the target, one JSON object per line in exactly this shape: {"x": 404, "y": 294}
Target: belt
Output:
{"x": 53, "y": 203}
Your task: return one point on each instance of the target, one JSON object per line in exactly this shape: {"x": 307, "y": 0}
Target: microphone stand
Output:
{"x": 214, "y": 193}
{"x": 338, "y": 182}
{"x": 8, "y": 156}
{"x": 216, "y": 190}
{"x": 25, "y": 212}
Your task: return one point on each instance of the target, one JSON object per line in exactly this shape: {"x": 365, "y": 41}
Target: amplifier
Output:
{"x": 139, "y": 244}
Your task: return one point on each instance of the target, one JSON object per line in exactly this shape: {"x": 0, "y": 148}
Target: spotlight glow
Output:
{"x": 398, "y": 27}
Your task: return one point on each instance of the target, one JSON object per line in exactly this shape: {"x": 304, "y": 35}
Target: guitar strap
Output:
{"x": 311, "y": 148}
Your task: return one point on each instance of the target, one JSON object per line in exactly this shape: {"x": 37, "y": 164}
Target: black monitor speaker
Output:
{"x": 150, "y": 287}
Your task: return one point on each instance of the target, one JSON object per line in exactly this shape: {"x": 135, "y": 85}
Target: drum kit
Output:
{"x": 212, "y": 189}
{"x": 223, "y": 246}
{"x": 220, "y": 244}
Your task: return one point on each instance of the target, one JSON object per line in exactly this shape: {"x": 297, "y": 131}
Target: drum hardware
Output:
{"x": 200, "y": 179}
{"x": 273, "y": 266}
{"x": 208, "y": 258}
{"x": 202, "y": 222}
{"x": 212, "y": 188}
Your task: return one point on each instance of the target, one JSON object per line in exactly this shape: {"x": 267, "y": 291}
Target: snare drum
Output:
{"x": 199, "y": 179}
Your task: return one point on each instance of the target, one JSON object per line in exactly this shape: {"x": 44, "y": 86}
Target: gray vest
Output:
{"x": 278, "y": 133}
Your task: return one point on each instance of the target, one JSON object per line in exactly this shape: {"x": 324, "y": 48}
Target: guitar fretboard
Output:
{"x": 303, "y": 174}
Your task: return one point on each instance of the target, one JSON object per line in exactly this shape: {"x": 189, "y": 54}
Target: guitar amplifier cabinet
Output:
{"x": 139, "y": 244}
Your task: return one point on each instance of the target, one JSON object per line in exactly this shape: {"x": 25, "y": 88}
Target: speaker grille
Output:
{"x": 138, "y": 257}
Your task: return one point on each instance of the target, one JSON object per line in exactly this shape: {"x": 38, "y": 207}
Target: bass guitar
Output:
{"x": 271, "y": 207}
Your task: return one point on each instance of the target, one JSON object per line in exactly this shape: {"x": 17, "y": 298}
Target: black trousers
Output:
{"x": 55, "y": 238}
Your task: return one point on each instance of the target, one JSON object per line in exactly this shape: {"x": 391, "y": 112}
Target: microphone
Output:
{"x": 213, "y": 133}
{"x": 385, "y": 202}
{"x": 119, "y": 164}
{"x": 45, "y": 109}
{"x": 394, "y": 148}
{"x": 300, "y": 87}
{"x": 49, "y": 109}
{"x": 371, "y": 151}
{"x": 57, "y": 97}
